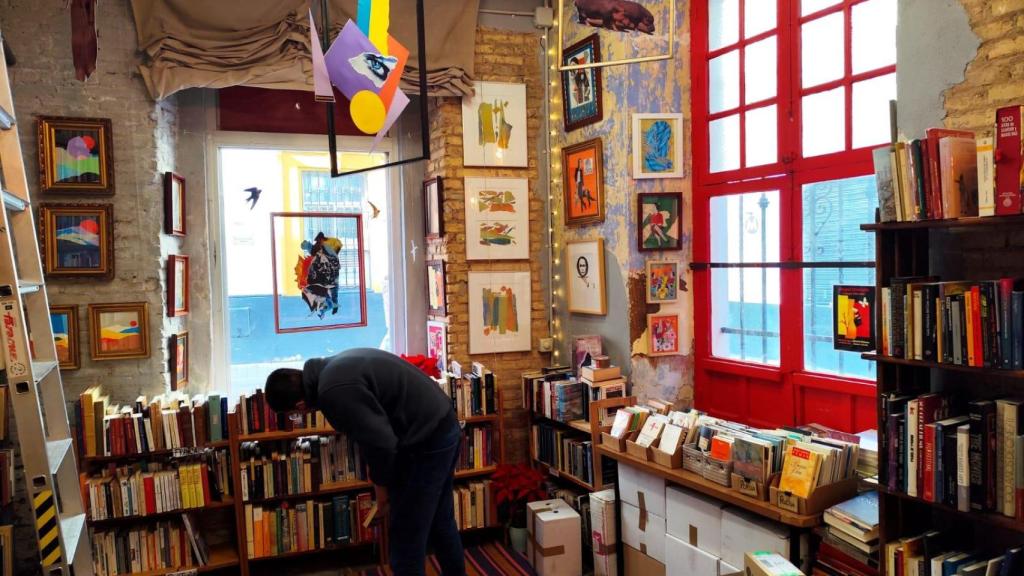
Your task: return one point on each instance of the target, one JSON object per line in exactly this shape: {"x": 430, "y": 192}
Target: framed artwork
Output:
{"x": 663, "y": 335}
{"x": 76, "y": 156}
{"x": 174, "y": 204}
{"x": 582, "y": 94}
{"x": 499, "y": 312}
{"x": 177, "y": 285}
{"x": 662, "y": 281}
{"x": 64, "y": 322}
{"x": 319, "y": 274}
{"x": 119, "y": 331}
{"x": 852, "y": 325}
{"x": 177, "y": 346}
{"x": 433, "y": 200}
{"x": 586, "y": 345}
{"x": 494, "y": 126}
{"x": 497, "y": 219}
{"x": 657, "y": 146}
{"x": 77, "y": 240}
{"x": 583, "y": 183}
{"x": 584, "y": 263}
{"x": 641, "y": 31}
{"x": 659, "y": 227}
{"x": 436, "y": 301}
{"x": 437, "y": 343}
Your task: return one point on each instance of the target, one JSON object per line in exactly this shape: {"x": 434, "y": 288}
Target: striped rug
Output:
{"x": 491, "y": 559}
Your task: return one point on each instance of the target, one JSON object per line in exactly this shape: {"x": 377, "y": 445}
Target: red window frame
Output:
{"x": 786, "y": 394}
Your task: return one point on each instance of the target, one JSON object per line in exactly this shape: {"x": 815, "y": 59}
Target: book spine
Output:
{"x": 928, "y": 467}
{"x": 986, "y": 177}
{"x": 1008, "y": 169}
{"x": 1008, "y": 456}
{"x": 977, "y": 456}
{"x": 1018, "y": 452}
{"x": 1017, "y": 328}
{"x": 1000, "y": 462}
{"x": 929, "y": 323}
{"x": 911, "y": 465}
{"x": 969, "y": 325}
{"x": 1005, "y": 296}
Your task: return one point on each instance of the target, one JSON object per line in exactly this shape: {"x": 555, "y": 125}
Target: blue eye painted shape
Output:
{"x": 377, "y": 65}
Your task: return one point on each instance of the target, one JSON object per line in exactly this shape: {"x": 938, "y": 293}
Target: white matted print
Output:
{"x": 497, "y": 219}
{"x": 494, "y": 126}
{"x": 657, "y": 146}
{"x": 584, "y": 262}
{"x": 499, "y": 312}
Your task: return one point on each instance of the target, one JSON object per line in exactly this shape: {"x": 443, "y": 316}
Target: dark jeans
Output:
{"x": 422, "y": 507}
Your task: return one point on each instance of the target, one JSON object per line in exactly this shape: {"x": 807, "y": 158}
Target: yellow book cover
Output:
{"x": 249, "y": 542}
{"x": 800, "y": 471}
{"x": 969, "y": 322}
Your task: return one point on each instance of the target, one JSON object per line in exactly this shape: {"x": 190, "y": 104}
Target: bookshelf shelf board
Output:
{"x": 229, "y": 503}
{"x": 581, "y": 425}
{"x": 943, "y": 366}
{"x": 147, "y": 455}
{"x": 728, "y": 495}
{"x": 987, "y": 221}
{"x": 556, "y": 473}
{"x": 221, "y": 558}
{"x": 479, "y": 528}
{"x": 286, "y": 434}
{"x": 574, "y": 425}
{"x": 324, "y": 490}
{"x": 474, "y": 472}
{"x": 480, "y": 419}
{"x": 299, "y": 553}
{"x": 989, "y": 518}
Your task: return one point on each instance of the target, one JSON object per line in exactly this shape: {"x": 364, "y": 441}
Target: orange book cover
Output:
{"x": 800, "y": 471}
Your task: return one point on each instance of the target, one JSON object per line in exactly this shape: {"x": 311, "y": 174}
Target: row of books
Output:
{"x": 564, "y": 451}
{"x": 165, "y": 545}
{"x": 6, "y": 477}
{"x": 978, "y": 323}
{"x": 472, "y": 394}
{"x": 851, "y": 533}
{"x": 166, "y": 422}
{"x": 301, "y": 466}
{"x": 256, "y": 417}
{"x": 557, "y": 394}
{"x": 141, "y": 490}
{"x": 477, "y": 448}
{"x": 935, "y": 553}
{"x": 475, "y": 505}
{"x": 969, "y": 457}
{"x": 309, "y": 525}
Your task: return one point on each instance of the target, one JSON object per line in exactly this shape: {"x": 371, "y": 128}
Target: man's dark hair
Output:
{"x": 284, "y": 389}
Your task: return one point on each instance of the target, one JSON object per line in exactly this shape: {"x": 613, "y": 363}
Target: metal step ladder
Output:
{"x": 32, "y": 374}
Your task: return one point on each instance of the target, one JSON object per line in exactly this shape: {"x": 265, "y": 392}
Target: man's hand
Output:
{"x": 383, "y": 507}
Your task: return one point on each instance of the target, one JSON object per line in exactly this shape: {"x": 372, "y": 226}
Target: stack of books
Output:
{"x": 935, "y": 554}
{"x": 145, "y": 489}
{"x": 163, "y": 546}
{"x": 475, "y": 505}
{"x": 255, "y": 417}
{"x": 601, "y": 381}
{"x": 555, "y": 394}
{"x": 977, "y": 323}
{"x": 564, "y": 451}
{"x": 472, "y": 394}
{"x": 170, "y": 421}
{"x": 309, "y": 525}
{"x": 477, "y": 448}
{"x": 851, "y": 535}
{"x": 279, "y": 468}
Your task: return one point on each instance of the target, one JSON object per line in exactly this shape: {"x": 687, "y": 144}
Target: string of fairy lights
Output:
{"x": 554, "y": 186}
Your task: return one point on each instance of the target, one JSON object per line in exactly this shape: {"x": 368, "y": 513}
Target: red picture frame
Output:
{"x": 177, "y": 285}
{"x": 173, "y": 198}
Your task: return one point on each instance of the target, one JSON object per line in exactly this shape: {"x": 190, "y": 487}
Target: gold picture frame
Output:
{"x": 65, "y": 335}
{"x": 77, "y": 240}
{"x": 560, "y": 24}
{"x": 127, "y": 334}
{"x": 76, "y": 156}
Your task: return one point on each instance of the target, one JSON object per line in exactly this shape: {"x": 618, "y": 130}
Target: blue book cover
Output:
{"x": 951, "y": 565}
{"x": 213, "y": 418}
{"x": 861, "y": 511}
{"x": 1011, "y": 563}
{"x": 223, "y": 417}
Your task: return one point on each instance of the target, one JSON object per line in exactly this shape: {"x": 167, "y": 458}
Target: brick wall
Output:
{"x": 501, "y": 56}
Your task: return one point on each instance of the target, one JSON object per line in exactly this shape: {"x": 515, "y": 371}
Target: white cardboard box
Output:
{"x": 743, "y": 532}
{"x": 635, "y": 485}
{"x": 555, "y": 527}
{"x": 727, "y": 570}
{"x": 644, "y": 531}
{"x": 681, "y": 558}
{"x": 695, "y": 519}
{"x": 603, "y": 534}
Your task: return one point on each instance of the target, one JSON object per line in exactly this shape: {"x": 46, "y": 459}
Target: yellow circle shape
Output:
{"x": 367, "y": 110}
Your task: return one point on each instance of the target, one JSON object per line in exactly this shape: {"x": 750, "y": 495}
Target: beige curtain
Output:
{"x": 265, "y": 43}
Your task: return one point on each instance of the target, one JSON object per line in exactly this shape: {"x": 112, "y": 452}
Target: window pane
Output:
{"x": 819, "y": 356}
{"x": 832, "y": 214}
{"x": 821, "y": 50}
{"x": 724, "y": 74}
{"x": 871, "y": 110}
{"x": 823, "y": 123}
{"x": 724, "y": 28}
{"x": 760, "y": 70}
{"x": 874, "y": 35}
{"x": 725, "y": 143}
{"x": 812, "y": 6}
{"x": 762, "y": 136}
{"x": 758, "y": 16}
{"x": 745, "y": 301}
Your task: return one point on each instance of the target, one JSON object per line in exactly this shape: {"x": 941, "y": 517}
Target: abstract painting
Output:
{"x": 119, "y": 331}
{"x": 64, "y": 323}
{"x": 583, "y": 346}
{"x": 584, "y": 268}
{"x": 663, "y": 334}
{"x": 852, "y": 326}
{"x": 494, "y": 126}
{"x": 583, "y": 183}
{"x": 659, "y": 226}
{"x": 436, "y": 288}
{"x": 75, "y": 155}
{"x": 433, "y": 200}
{"x": 178, "y": 359}
{"x": 318, "y": 271}
{"x": 499, "y": 312}
{"x": 633, "y": 31}
{"x": 497, "y": 219}
{"x": 77, "y": 240}
{"x": 177, "y": 285}
{"x": 657, "y": 146}
{"x": 437, "y": 343}
{"x": 581, "y": 89}
{"x": 174, "y": 204}
{"x": 662, "y": 281}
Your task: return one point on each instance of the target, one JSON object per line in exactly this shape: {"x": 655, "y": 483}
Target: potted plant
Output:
{"x": 516, "y": 485}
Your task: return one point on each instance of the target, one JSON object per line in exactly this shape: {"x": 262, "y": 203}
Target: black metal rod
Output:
{"x": 781, "y": 265}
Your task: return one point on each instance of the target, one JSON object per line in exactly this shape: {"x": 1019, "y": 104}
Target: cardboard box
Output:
{"x": 695, "y": 519}
{"x": 743, "y": 532}
{"x": 641, "y": 489}
{"x": 662, "y": 459}
{"x": 603, "y": 535}
{"x": 639, "y": 564}
{"x": 821, "y": 498}
{"x": 644, "y": 531}
{"x": 638, "y": 451}
{"x": 613, "y": 443}
{"x": 769, "y": 564}
{"x": 681, "y": 558}
{"x": 553, "y": 543}
{"x": 725, "y": 569}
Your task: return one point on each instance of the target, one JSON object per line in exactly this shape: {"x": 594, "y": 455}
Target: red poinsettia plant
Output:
{"x": 427, "y": 364}
{"x": 515, "y": 485}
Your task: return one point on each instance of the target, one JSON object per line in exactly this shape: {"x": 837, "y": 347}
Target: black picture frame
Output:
{"x": 433, "y": 207}
{"x": 591, "y": 75}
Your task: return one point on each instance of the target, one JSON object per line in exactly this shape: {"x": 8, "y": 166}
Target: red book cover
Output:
{"x": 928, "y": 485}
{"x": 204, "y": 476}
{"x": 1008, "y": 159}
{"x": 931, "y": 408}
{"x": 129, "y": 425}
{"x": 932, "y": 137}
{"x": 1020, "y": 504}
{"x": 150, "y": 488}
{"x": 899, "y": 561}
{"x": 979, "y": 352}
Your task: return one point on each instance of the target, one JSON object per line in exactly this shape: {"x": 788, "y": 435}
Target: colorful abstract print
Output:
{"x": 500, "y": 315}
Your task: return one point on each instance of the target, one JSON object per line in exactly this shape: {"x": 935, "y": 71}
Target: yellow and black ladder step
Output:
{"x": 47, "y": 527}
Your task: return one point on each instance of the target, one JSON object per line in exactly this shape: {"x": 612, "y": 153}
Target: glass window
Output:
{"x": 724, "y": 25}
{"x": 822, "y": 50}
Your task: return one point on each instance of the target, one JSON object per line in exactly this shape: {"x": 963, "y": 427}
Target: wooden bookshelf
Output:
{"x": 228, "y": 503}
{"x": 475, "y": 472}
{"x": 151, "y": 454}
{"x": 975, "y": 222}
{"x": 310, "y": 552}
{"x": 556, "y": 473}
{"x": 988, "y": 518}
{"x": 497, "y": 421}
{"x": 286, "y": 434}
{"x": 325, "y": 489}
{"x": 977, "y": 370}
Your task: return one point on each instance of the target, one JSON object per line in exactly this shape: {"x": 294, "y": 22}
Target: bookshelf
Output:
{"x": 467, "y": 476}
